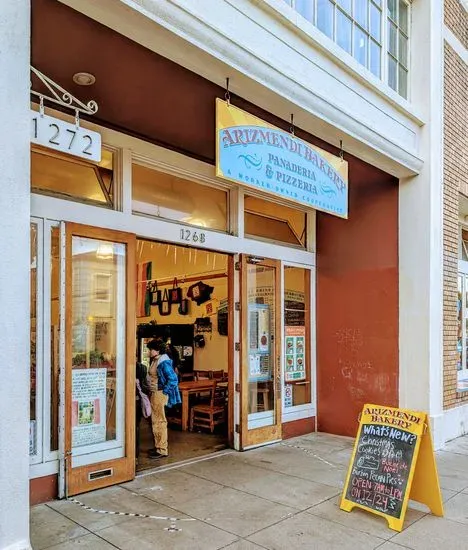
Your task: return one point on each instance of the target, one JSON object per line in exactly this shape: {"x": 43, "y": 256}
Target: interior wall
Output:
{"x": 169, "y": 261}
{"x": 357, "y": 302}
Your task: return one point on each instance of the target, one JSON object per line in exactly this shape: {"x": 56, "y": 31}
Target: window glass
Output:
{"x": 305, "y": 8}
{"x": 360, "y": 46}
{"x": 397, "y": 46}
{"x": 392, "y": 9}
{"x": 460, "y": 323}
{"x": 403, "y": 16}
{"x": 346, "y": 4}
{"x": 297, "y": 373}
{"x": 402, "y": 81}
{"x": 392, "y": 72}
{"x": 163, "y": 195}
{"x": 375, "y": 52}
{"x": 357, "y": 27}
{"x": 54, "y": 334}
{"x": 361, "y": 12}
{"x": 33, "y": 340}
{"x": 261, "y": 282}
{"x": 392, "y": 39}
{"x": 325, "y": 17}
{"x": 403, "y": 49}
{"x": 375, "y": 21}
{"x": 98, "y": 343}
{"x": 274, "y": 221}
{"x": 464, "y": 245}
{"x": 344, "y": 31}
{"x": 72, "y": 178}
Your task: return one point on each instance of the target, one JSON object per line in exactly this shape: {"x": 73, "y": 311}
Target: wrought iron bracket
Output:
{"x": 62, "y": 97}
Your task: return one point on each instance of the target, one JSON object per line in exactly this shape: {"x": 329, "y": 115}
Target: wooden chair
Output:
{"x": 213, "y": 413}
{"x": 219, "y": 375}
{"x": 202, "y": 374}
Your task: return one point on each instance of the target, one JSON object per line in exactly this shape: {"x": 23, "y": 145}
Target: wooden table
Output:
{"x": 186, "y": 388}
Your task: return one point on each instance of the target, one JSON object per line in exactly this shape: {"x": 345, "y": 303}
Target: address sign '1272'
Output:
{"x": 62, "y": 136}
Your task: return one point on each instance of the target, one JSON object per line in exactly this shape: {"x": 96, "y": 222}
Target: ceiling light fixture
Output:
{"x": 84, "y": 79}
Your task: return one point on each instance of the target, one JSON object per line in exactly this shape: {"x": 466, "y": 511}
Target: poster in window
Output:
{"x": 88, "y": 406}
{"x": 295, "y": 361}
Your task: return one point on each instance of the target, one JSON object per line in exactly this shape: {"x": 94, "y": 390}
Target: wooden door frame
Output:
{"x": 77, "y": 479}
{"x": 274, "y": 432}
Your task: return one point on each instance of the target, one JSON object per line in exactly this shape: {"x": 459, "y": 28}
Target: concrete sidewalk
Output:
{"x": 284, "y": 496}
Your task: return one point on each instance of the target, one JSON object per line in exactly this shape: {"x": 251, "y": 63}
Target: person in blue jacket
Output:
{"x": 164, "y": 393}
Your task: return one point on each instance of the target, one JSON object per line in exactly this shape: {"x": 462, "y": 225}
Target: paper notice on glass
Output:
{"x": 288, "y": 395}
{"x": 295, "y": 364}
{"x": 263, "y": 330}
{"x": 254, "y": 365}
{"x": 88, "y": 406}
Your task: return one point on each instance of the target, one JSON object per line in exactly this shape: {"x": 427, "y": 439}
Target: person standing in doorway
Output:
{"x": 164, "y": 393}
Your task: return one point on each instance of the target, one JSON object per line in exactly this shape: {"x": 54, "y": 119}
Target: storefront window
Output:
{"x": 33, "y": 341}
{"x": 261, "y": 341}
{"x": 297, "y": 379}
{"x": 462, "y": 334}
{"x": 54, "y": 334}
{"x": 98, "y": 343}
{"x": 464, "y": 245}
{"x": 274, "y": 222}
{"x": 165, "y": 196}
{"x": 73, "y": 179}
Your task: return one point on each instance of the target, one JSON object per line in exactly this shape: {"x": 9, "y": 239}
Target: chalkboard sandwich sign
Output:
{"x": 392, "y": 461}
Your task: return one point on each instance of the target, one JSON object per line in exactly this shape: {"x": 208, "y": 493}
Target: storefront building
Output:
{"x": 298, "y": 313}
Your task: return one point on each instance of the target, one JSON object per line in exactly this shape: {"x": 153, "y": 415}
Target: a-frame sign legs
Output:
{"x": 425, "y": 487}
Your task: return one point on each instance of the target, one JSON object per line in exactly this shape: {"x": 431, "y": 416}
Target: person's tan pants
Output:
{"x": 159, "y": 422}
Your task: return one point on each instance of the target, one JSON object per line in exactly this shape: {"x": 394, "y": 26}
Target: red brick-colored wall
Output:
{"x": 296, "y": 428}
{"x": 357, "y": 303}
{"x": 43, "y": 489}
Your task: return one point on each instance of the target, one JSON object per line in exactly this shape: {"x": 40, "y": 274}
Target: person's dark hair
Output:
{"x": 157, "y": 345}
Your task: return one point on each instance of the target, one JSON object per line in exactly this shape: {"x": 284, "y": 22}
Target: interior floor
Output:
{"x": 182, "y": 445}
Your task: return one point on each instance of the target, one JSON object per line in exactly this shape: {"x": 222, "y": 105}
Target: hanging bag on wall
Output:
{"x": 184, "y": 307}
{"x": 155, "y": 294}
{"x": 164, "y": 306}
{"x": 175, "y": 293}
{"x": 144, "y": 401}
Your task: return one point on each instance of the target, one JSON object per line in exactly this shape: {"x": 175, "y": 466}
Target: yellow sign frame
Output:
{"x": 423, "y": 482}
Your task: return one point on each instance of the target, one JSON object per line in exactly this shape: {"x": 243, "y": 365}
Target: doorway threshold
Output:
{"x": 186, "y": 462}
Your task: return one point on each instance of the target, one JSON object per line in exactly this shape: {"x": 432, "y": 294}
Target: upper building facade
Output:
{"x": 377, "y": 84}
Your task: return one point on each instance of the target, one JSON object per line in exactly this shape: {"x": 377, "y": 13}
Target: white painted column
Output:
{"x": 420, "y": 230}
{"x": 14, "y": 273}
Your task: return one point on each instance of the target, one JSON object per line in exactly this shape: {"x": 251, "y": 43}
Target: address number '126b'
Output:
{"x": 62, "y": 136}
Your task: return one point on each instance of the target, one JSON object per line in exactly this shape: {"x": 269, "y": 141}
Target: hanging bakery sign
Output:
{"x": 54, "y": 133}
{"x": 256, "y": 154}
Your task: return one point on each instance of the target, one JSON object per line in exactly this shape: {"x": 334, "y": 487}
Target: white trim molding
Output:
{"x": 455, "y": 44}
{"x": 455, "y": 423}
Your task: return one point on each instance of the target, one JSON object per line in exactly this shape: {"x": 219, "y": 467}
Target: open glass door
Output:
{"x": 260, "y": 369}
{"x": 99, "y": 358}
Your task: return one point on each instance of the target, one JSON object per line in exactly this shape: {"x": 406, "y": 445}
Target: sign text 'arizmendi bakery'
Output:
{"x": 252, "y": 152}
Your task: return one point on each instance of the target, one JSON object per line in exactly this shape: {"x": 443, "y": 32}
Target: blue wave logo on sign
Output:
{"x": 277, "y": 162}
